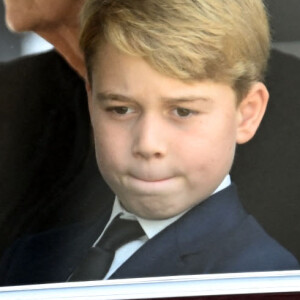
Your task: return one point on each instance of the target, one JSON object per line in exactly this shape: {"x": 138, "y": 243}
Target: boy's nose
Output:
{"x": 149, "y": 140}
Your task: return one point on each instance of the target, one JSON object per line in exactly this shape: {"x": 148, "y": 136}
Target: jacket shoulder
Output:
{"x": 248, "y": 248}
{"x": 48, "y": 256}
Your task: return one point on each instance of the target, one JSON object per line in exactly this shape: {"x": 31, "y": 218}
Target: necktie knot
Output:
{"x": 120, "y": 232}
{"x": 99, "y": 258}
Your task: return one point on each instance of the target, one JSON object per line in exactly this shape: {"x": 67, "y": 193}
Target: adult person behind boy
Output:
{"x": 46, "y": 153}
{"x": 56, "y": 21}
{"x": 173, "y": 86}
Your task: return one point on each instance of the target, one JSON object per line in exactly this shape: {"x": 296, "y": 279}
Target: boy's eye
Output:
{"x": 183, "y": 112}
{"x": 120, "y": 110}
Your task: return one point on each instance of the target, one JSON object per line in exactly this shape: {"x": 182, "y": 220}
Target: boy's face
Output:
{"x": 162, "y": 145}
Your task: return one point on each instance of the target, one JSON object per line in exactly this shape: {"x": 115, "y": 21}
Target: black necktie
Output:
{"x": 99, "y": 258}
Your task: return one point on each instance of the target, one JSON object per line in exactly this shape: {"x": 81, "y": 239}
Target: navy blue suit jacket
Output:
{"x": 216, "y": 236}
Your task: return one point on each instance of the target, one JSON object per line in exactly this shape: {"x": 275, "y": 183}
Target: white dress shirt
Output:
{"x": 151, "y": 228}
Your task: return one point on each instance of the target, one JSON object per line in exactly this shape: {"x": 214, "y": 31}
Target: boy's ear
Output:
{"x": 89, "y": 93}
{"x": 251, "y": 111}
{"x": 88, "y": 88}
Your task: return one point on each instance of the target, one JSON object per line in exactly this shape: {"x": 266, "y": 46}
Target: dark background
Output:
{"x": 285, "y": 25}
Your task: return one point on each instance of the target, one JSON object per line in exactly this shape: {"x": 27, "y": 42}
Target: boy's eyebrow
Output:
{"x": 103, "y": 96}
{"x": 190, "y": 98}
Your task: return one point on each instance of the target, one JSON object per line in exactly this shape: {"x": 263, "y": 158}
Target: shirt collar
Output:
{"x": 153, "y": 227}
{"x": 224, "y": 184}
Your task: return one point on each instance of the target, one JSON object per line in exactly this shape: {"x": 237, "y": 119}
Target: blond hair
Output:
{"x": 225, "y": 41}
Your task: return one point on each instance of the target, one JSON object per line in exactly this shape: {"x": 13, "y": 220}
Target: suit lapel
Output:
{"x": 82, "y": 242}
{"x": 62, "y": 250}
{"x": 168, "y": 253}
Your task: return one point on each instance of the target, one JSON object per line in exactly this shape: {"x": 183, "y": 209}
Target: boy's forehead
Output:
{"x": 123, "y": 77}
{"x": 113, "y": 65}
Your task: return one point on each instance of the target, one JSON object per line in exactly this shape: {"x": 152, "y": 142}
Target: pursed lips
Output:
{"x": 151, "y": 185}
{"x": 151, "y": 178}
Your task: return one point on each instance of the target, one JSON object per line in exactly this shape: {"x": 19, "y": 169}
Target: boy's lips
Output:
{"x": 151, "y": 184}
{"x": 151, "y": 178}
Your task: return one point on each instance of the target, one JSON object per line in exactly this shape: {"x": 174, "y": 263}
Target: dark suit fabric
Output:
{"x": 216, "y": 236}
{"x": 46, "y": 151}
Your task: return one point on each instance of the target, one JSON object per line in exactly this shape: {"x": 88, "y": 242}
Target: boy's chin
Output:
{"x": 157, "y": 211}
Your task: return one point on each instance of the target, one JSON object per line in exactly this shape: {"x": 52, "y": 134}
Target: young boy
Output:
{"x": 173, "y": 86}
